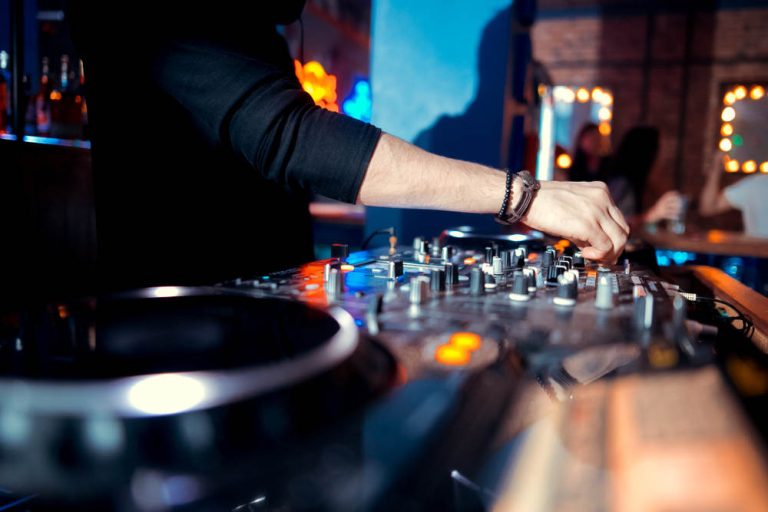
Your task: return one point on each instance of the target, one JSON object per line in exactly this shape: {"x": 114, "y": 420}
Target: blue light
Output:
{"x": 51, "y": 141}
{"x": 667, "y": 257}
{"x": 358, "y": 104}
{"x": 734, "y": 267}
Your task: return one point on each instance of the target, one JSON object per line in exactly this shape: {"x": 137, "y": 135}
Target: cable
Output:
{"x": 385, "y": 231}
{"x": 747, "y": 326}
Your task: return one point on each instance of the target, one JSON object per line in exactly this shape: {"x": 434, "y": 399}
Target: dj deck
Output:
{"x": 459, "y": 373}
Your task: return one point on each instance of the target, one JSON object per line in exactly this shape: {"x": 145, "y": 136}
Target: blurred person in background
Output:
{"x": 748, "y": 195}
{"x": 589, "y": 156}
{"x": 625, "y": 172}
{"x": 630, "y": 167}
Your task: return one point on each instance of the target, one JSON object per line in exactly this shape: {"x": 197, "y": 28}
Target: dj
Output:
{"x": 205, "y": 146}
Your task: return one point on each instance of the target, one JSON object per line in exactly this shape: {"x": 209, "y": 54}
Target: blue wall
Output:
{"x": 438, "y": 74}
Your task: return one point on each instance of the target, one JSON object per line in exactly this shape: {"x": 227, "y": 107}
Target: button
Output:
{"x": 476, "y": 281}
{"x": 437, "y": 280}
{"x": 339, "y": 251}
{"x": 469, "y": 341}
{"x": 452, "y": 356}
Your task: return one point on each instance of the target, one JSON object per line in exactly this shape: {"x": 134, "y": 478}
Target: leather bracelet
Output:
{"x": 529, "y": 187}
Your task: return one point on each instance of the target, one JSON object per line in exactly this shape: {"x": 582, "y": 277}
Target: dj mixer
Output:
{"x": 461, "y": 372}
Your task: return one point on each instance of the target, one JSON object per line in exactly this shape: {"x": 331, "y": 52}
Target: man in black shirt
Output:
{"x": 205, "y": 145}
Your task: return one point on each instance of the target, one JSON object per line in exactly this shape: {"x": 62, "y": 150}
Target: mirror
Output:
{"x": 565, "y": 110}
{"x": 743, "y": 139}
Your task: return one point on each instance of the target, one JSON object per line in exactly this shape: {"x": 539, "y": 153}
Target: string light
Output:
{"x": 726, "y": 130}
{"x": 740, "y": 92}
{"x": 764, "y": 167}
{"x": 757, "y": 92}
{"x": 604, "y": 128}
{"x": 732, "y": 166}
{"x": 564, "y": 161}
{"x": 582, "y": 95}
{"x": 749, "y": 166}
{"x": 728, "y": 115}
{"x": 726, "y": 145}
{"x": 729, "y": 98}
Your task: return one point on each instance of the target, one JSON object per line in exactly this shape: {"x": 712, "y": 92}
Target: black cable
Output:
{"x": 747, "y": 326}
{"x": 385, "y": 231}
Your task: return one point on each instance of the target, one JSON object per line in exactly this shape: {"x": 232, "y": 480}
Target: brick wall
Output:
{"x": 609, "y": 50}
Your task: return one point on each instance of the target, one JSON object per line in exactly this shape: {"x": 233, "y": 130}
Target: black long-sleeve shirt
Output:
{"x": 204, "y": 144}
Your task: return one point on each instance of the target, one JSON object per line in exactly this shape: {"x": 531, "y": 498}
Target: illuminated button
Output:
{"x": 661, "y": 356}
{"x": 347, "y": 268}
{"x": 453, "y": 356}
{"x": 469, "y": 261}
{"x": 465, "y": 340}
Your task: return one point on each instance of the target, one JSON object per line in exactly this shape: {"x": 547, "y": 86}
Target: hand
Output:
{"x": 669, "y": 206}
{"x": 584, "y": 213}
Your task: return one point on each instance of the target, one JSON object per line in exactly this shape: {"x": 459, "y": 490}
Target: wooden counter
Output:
{"x": 749, "y": 301}
{"x": 727, "y": 243}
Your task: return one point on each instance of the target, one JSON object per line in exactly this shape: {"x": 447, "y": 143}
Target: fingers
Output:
{"x": 617, "y": 216}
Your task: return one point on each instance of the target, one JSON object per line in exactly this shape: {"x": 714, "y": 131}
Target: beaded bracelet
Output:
{"x": 529, "y": 186}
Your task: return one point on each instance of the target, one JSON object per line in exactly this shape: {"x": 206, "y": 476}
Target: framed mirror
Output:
{"x": 743, "y": 139}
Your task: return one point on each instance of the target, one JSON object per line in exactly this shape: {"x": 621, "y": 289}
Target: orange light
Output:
{"x": 729, "y": 98}
{"x": 318, "y": 84}
{"x": 732, "y": 166}
{"x": 757, "y": 92}
{"x": 564, "y": 161}
{"x": 607, "y": 99}
{"x": 604, "y": 128}
{"x": 466, "y": 341}
{"x": 55, "y": 96}
{"x": 749, "y": 166}
{"x": 726, "y": 130}
{"x": 740, "y": 92}
{"x": 63, "y": 312}
{"x": 452, "y": 356}
{"x": 347, "y": 267}
{"x": 604, "y": 114}
{"x": 728, "y": 114}
{"x": 725, "y": 145}
{"x": 470, "y": 261}
{"x": 78, "y": 98}
{"x": 715, "y": 236}
{"x": 582, "y": 95}
{"x": 764, "y": 167}
{"x": 597, "y": 95}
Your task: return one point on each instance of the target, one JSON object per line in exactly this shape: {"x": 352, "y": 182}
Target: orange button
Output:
{"x": 465, "y": 340}
{"x": 450, "y": 355}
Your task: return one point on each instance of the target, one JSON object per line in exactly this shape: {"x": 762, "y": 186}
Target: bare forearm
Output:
{"x": 403, "y": 175}
{"x": 712, "y": 200}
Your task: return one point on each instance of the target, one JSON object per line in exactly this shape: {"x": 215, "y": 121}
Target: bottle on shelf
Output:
{"x": 43, "y": 100}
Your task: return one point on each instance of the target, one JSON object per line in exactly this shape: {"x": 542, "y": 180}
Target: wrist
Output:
{"x": 520, "y": 190}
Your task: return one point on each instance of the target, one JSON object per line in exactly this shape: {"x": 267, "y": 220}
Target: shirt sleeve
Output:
{"x": 737, "y": 194}
{"x": 258, "y": 109}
